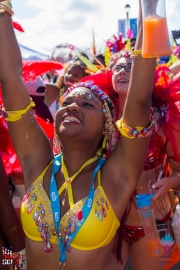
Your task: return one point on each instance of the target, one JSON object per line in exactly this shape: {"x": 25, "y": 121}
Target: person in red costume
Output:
{"x": 161, "y": 168}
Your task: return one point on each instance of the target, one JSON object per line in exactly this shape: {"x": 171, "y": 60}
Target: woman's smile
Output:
{"x": 70, "y": 119}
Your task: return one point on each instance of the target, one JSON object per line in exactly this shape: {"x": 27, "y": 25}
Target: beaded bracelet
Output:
{"x": 13, "y": 116}
{"x": 136, "y": 132}
{"x": 6, "y": 6}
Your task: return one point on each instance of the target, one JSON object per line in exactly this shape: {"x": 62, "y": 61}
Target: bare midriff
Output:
{"x": 100, "y": 259}
{"x": 161, "y": 206}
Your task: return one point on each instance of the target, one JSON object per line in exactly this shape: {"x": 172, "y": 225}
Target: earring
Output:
{"x": 110, "y": 129}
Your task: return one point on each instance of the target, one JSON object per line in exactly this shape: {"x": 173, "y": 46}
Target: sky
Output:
{"x": 48, "y": 23}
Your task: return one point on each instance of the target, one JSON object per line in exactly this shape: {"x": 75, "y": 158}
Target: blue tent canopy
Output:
{"x": 29, "y": 54}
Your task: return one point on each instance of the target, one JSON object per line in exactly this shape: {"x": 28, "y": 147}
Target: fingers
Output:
{"x": 160, "y": 188}
{"x": 157, "y": 185}
{"x": 159, "y": 193}
{"x": 150, "y": 187}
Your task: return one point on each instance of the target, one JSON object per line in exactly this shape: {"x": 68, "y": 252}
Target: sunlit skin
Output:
{"x": 76, "y": 115}
{"x": 161, "y": 206}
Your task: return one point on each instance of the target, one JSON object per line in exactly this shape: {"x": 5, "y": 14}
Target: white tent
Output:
{"x": 62, "y": 53}
{"x": 29, "y": 54}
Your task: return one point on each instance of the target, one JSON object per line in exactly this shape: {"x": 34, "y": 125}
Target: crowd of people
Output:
{"x": 78, "y": 149}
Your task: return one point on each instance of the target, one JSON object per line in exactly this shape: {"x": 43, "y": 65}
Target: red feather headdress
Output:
{"x": 32, "y": 69}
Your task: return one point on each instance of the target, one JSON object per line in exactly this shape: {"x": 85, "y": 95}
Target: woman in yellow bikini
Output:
{"x": 75, "y": 200}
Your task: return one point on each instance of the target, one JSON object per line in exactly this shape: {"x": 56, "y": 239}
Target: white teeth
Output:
{"x": 122, "y": 81}
{"x": 71, "y": 119}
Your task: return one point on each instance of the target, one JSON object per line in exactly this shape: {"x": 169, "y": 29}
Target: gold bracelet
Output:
{"x": 136, "y": 54}
{"x": 6, "y": 6}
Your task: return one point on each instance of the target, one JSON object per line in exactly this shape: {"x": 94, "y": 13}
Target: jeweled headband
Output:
{"x": 111, "y": 132}
{"x": 90, "y": 85}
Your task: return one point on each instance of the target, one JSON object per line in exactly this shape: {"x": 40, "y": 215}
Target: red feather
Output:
{"x": 102, "y": 80}
{"x": 47, "y": 127}
{"x": 18, "y": 27}
{"x": 165, "y": 88}
{"x": 32, "y": 69}
{"x": 7, "y": 151}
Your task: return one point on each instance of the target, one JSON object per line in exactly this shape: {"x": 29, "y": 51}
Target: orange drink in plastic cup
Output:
{"x": 155, "y": 37}
{"x": 154, "y": 248}
{"x": 145, "y": 211}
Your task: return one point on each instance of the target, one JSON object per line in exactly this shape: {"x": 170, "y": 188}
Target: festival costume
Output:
{"x": 155, "y": 157}
{"x": 94, "y": 210}
{"x": 97, "y": 231}
{"x": 166, "y": 99}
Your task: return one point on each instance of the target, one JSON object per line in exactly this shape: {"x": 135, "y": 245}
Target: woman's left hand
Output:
{"x": 161, "y": 187}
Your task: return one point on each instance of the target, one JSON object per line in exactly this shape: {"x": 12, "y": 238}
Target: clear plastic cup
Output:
{"x": 146, "y": 214}
{"x": 156, "y": 40}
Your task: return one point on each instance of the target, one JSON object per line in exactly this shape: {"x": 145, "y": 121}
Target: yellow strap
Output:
{"x": 68, "y": 180}
{"x": 13, "y": 116}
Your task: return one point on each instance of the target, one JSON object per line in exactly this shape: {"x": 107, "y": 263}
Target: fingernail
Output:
{"x": 153, "y": 186}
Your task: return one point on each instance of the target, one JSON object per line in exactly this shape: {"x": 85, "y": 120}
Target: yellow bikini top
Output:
{"x": 37, "y": 218}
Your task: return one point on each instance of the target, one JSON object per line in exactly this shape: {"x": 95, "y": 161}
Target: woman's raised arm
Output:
{"x": 29, "y": 140}
{"x": 126, "y": 162}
